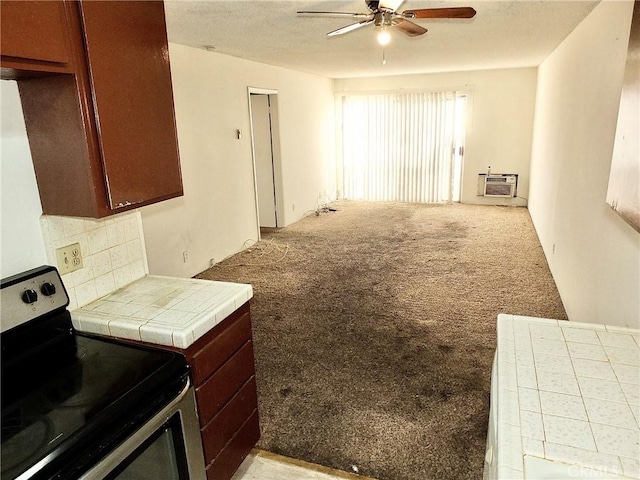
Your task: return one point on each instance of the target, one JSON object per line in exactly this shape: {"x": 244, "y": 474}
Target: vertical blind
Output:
{"x": 402, "y": 147}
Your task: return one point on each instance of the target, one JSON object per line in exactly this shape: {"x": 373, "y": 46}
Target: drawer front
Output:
{"x": 229, "y": 459}
{"x": 220, "y": 349}
{"x": 228, "y": 421}
{"x": 223, "y": 384}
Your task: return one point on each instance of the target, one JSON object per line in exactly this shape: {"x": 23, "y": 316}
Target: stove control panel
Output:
{"x": 30, "y": 295}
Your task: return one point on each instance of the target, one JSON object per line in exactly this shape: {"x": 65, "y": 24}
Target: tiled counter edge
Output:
{"x": 520, "y": 403}
{"x": 509, "y": 456}
{"x": 162, "y": 310}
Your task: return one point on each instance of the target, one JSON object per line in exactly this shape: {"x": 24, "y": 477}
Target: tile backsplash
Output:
{"x": 113, "y": 253}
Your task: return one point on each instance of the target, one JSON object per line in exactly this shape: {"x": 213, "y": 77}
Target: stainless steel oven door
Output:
{"x": 168, "y": 446}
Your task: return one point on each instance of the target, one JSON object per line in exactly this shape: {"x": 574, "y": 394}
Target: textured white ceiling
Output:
{"x": 503, "y": 34}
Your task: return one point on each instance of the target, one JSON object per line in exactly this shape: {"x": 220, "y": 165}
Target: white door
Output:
{"x": 264, "y": 159}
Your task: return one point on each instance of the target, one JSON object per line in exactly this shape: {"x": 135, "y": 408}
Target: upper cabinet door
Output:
{"x": 128, "y": 58}
{"x": 34, "y": 31}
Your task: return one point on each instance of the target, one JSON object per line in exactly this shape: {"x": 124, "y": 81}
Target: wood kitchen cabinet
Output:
{"x": 223, "y": 370}
{"x": 103, "y": 138}
{"x": 34, "y": 36}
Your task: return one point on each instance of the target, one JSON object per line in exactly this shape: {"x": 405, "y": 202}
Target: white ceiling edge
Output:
{"x": 503, "y": 34}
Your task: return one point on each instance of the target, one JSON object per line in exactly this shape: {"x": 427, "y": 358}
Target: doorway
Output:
{"x": 265, "y": 141}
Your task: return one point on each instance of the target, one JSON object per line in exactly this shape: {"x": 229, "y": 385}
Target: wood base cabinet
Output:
{"x": 223, "y": 369}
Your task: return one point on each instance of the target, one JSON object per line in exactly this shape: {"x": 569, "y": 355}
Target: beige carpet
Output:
{"x": 374, "y": 331}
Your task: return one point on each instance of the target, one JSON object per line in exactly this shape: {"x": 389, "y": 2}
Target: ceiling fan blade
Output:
{"x": 456, "y": 12}
{"x": 334, "y": 14}
{"x": 410, "y": 29}
{"x": 390, "y": 4}
{"x": 350, "y": 28}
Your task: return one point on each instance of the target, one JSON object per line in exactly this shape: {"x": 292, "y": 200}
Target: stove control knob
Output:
{"x": 48, "y": 289}
{"x": 29, "y": 296}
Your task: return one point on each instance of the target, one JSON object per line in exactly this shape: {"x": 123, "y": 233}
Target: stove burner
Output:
{"x": 22, "y": 440}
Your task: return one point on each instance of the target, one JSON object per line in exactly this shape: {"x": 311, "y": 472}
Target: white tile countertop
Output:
{"x": 162, "y": 310}
{"x": 565, "y": 401}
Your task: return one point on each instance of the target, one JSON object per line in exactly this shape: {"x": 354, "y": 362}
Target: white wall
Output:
{"x": 593, "y": 254}
{"x": 217, "y": 214}
{"x": 22, "y": 246}
{"x": 499, "y": 127}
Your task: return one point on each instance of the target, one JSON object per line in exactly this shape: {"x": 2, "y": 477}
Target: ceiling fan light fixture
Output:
{"x": 384, "y": 37}
{"x": 383, "y": 14}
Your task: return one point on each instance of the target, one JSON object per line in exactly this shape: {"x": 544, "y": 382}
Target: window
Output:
{"x": 403, "y": 147}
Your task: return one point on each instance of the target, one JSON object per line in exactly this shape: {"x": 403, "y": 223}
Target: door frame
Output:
{"x": 275, "y": 142}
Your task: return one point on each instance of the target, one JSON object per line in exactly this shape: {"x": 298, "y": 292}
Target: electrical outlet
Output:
{"x": 69, "y": 258}
{"x": 185, "y": 256}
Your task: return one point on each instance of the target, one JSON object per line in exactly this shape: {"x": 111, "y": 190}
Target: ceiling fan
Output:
{"x": 383, "y": 14}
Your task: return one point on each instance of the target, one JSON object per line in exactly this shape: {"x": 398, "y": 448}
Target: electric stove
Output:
{"x": 69, "y": 399}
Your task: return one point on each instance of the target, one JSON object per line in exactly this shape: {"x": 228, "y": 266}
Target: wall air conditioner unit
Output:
{"x": 500, "y": 185}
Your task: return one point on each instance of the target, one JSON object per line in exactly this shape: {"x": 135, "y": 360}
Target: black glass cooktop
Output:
{"x": 66, "y": 396}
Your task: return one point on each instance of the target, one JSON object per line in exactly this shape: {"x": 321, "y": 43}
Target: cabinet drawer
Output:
{"x": 229, "y": 459}
{"x": 228, "y": 421}
{"x": 221, "y": 348}
{"x": 223, "y": 384}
